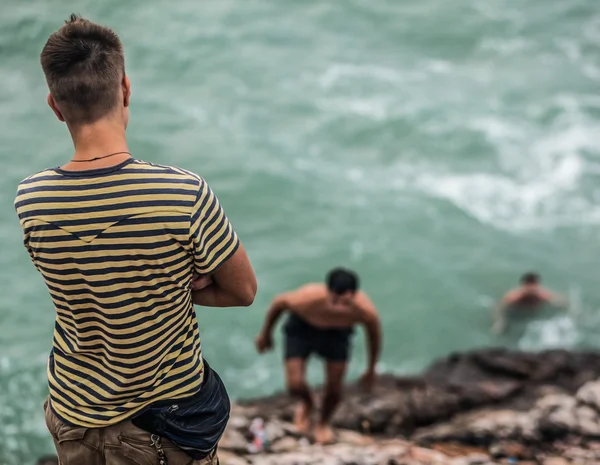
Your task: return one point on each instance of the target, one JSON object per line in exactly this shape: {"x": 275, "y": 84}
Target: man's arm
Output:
{"x": 499, "y": 317}
{"x": 233, "y": 284}
{"x": 372, "y": 324}
{"x": 218, "y": 253}
{"x": 500, "y": 309}
{"x": 264, "y": 340}
{"x": 373, "y": 328}
{"x": 554, "y": 298}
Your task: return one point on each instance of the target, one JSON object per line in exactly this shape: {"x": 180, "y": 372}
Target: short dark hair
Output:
{"x": 84, "y": 66}
{"x": 340, "y": 280}
{"x": 530, "y": 278}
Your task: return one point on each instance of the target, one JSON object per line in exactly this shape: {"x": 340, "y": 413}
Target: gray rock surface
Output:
{"x": 481, "y": 407}
{"x": 589, "y": 394}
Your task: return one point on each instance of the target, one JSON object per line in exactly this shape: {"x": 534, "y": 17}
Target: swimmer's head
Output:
{"x": 84, "y": 66}
{"x": 341, "y": 283}
{"x": 529, "y": 279}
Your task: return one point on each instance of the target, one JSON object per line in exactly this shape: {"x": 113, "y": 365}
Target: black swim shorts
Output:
{"x": 303, "y": 339}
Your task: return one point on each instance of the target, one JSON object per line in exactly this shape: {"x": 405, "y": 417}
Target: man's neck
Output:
{"x": 94, "y": 141}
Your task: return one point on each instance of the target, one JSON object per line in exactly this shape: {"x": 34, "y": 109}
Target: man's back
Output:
{"x": 117, "y": 248}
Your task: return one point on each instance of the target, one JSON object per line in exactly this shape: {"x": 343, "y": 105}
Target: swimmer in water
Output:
{"x": 530, "y": 295}
{"x": 321, "y": 320}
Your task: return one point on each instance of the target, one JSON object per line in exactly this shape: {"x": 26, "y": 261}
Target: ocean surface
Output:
{"x": 438, "y": 148}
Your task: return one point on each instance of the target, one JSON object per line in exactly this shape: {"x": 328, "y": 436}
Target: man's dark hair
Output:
{"x": 339, "y": 281}
{"x": 530, "y": 278}
{"x": 84, "y": 66}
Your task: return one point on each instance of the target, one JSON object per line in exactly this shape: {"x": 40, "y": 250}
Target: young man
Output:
{"x": 322, "y": 319}
{"x": 120, "y": 243}
{"x": 530, "y": 295}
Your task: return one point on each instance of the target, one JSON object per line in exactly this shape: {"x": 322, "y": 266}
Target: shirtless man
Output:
{"x": 321, "y": 321}
{"x": 529, "y": 295}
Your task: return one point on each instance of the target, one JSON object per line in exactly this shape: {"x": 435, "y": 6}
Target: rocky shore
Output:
{"x": 482, "y": 407}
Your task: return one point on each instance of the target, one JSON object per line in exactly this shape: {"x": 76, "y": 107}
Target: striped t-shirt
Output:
{"x": 117, "y": 248}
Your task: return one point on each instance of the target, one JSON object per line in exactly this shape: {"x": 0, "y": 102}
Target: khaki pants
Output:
{"x": 120, "y": 444}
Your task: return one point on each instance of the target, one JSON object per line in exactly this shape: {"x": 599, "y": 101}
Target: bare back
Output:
{"x": 312, "y": 303}
{"x": 528, "y": 297}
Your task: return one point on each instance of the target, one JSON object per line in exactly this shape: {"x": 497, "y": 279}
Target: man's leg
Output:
{"x": 295, "y": 372}
{"x": 334, "y": 381}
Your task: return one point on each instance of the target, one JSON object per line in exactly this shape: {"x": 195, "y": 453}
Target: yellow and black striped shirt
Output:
{"x": 117, "y": 248}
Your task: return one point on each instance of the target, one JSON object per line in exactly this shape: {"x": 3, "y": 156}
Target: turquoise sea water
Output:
{"x": 439, "y": 148}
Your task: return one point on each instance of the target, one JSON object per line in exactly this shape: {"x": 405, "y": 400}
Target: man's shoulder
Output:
{"x": 312, "y": 289}
{"x": 513, "y": 295}
{"x": 32, "y": 187}
{"x": 545, "y": 293}
{"x": 308, "y": 293}
{"x": 364, "y": 302}
{"x": 363, "y": 296}
{"x": 158, "y": 169}
{"x": 47, "y": 174}
{"x": 36, "y": 181}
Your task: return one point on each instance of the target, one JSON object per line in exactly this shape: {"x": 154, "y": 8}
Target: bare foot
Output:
{"x": 324, "y": 434}
{"x": 302, "y": 418}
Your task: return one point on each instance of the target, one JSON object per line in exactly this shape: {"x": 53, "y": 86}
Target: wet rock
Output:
{"x": 483, "y": 426}
{"x": 424, "y": 407}
{"x": 338, "y": 454}
{"x": 555, "y": 461}
{"x": 504, "y": 424}
{"x": 556, "y": 415}
{"x": 450, "y": 386}
{"x": 513, "y": 449}
{"x": 456, "y": 449}
{"x": 589, "y": 394}
{"x": 472, "y": 459}
{"x": 588, "y": 422}
{"x": 582, "y": 454}
{"x": 229, "y": 458}
{"x": 286, "y": 444}
{"x": 421, "y": 454}
{"x": 234, "y": 441}
{"x": 525, "y": 406}
{"x": 355, "y": 439}
{"x": 274, "y": 431}
{"x": 239, "y": 421}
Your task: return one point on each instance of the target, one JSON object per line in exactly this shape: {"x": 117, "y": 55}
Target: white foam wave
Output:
{"x": 376, "y": 108}
{"x": 504, "y": 46}
{"x": 591, "y": 71}
{"x": 548, "y": 334}
{"x": 591, "y": 30}
{"x": 539, "y": 184}
{"x": 339, "y": 71}
{"x": 504, "y": 202}
{"x": 438, "y": 66}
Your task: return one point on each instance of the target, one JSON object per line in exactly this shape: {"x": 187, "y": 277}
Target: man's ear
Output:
{"x": 55, "y": 109}
{"x": 126, "y": 91}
